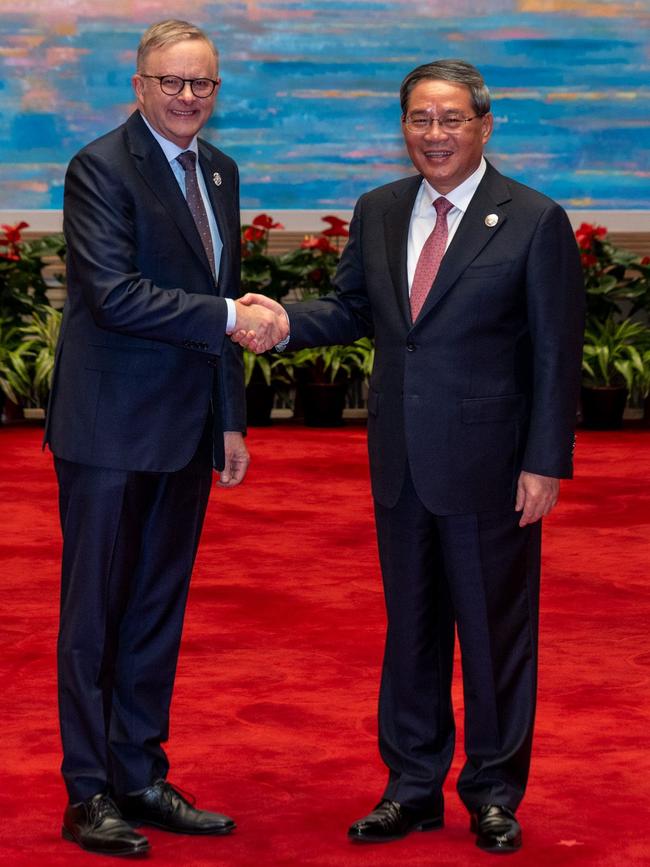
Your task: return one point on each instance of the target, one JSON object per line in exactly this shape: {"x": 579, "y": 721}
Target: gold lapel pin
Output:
{"x": 216, "y": 177}
{"x": 491, "y": 220}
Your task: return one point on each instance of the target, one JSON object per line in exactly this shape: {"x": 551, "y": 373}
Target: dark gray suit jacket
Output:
{"x": 485, "y": 383}
{"x": 142, "y": 351}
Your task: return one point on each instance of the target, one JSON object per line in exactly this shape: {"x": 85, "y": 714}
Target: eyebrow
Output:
{"x": 428, "y": 111}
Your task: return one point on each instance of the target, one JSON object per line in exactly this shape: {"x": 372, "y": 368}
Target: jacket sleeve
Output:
{"x": 344, "y": 315}
{"x": 556, "y": 309}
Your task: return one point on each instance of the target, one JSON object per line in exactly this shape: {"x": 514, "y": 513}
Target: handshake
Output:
{"x": 261, "y": 323}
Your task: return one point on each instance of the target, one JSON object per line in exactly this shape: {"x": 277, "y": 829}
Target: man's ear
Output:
{"x": 138, "y": 86}
{"x": 487, "y": 125}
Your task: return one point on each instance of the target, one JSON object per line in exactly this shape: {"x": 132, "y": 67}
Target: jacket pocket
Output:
{"x": 488, "y": 272}
{"x": 507, "y": 407}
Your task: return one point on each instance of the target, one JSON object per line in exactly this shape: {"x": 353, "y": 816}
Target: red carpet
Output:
{"x": 274, "y": 711}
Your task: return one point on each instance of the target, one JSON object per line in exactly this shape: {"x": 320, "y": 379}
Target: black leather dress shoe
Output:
{"x": 496, "y": 829}
{"x": 391, "y": 821}
{"x": 97, "y": 826}
{"x": 165, "y": 807}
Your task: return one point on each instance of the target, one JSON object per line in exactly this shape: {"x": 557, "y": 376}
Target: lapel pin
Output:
{"x": 216, "y": 177}
{"x": 491, "y": 220}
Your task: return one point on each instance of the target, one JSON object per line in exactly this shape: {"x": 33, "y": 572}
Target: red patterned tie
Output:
{"x": 430, "y": 257}
{"x": 195, "y": 203}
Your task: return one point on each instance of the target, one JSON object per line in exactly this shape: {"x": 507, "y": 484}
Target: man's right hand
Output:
{"x": 261, "y": 323}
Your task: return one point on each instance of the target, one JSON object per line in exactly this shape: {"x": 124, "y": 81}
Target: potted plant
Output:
{"x": 262, "y": 376}
{"x": 323, "y": 376}
{"x": 22, "y": 285}
{"x": 10, "y": 349}
{"x": 637, "y": 373}
{"x": 617, "y": 281}
{"x": 22, "y": 288}
{"x": 27, "y": 360}
{"x": 305, "y": 272}
{"x": 608, "y": 366}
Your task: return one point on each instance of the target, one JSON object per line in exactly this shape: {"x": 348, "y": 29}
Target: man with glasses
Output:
{"x": 148, "y": 396}
{"x": 471, "y": 284}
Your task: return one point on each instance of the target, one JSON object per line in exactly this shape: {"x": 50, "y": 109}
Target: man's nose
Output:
{"x": 435, "y": 131}
{"x": 186, "y": 93}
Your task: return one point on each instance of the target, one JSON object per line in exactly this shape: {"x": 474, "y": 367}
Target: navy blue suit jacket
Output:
{"x": 485, "y": 383}
{"x": 142, "y": 352}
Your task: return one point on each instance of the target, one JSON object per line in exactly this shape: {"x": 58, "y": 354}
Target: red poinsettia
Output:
{"x": 311, "y": 242}
{"x": 253, "y": 234}
{"x": 12, "y": 233}
{"x": 11, "y": 240}
{"x": 585, "y": 234}
{"x": 266, "y": 222}
{"x": 337, "y": 227}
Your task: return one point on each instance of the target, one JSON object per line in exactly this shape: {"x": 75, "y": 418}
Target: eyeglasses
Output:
{"x": 172, "y": 85}
{"x": 421, "y": 123}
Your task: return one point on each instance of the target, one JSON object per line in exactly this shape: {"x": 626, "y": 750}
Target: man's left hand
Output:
{"x": 536, "y": 496}
{"x": 237, "y": 460}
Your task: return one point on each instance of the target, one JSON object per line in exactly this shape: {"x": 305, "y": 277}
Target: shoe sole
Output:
{"x": 428, "y": 825}
{"x": 499, "y": 850}
{"x": 222, "y": 832}
{"x": 121, "y": 853}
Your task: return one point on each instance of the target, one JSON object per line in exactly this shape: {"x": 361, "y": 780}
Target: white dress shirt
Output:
{"x": 171, "y": 151}
{"x": 423, "y": 216}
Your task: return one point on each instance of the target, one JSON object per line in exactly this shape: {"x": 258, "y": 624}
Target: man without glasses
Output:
{"x": 472, "y": 287}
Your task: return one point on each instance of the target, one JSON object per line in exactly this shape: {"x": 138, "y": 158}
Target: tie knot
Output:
{"x": 442, "y": 205}
{"x": 188, "y": 160}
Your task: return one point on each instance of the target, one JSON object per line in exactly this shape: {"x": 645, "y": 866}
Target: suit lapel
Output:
{"x": 208, "y": 166}
{"x": 158, "y": 175}
{"x": 472, "y": 235}
{"x": 397, "y": 219}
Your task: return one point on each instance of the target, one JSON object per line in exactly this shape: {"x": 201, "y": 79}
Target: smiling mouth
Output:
{"x": 437, "y": 154}
{"x": 187, "y": 113}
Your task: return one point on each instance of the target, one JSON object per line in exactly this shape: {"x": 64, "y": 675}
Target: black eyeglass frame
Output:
{"x": 191, "y": 81}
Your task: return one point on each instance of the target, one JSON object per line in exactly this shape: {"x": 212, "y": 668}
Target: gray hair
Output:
{"x": 167, "y": 33}
{"x": 456, "y": 71}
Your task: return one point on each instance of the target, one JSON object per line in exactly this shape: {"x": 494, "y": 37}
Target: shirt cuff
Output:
{"x": 232, "y": 315}
{"x": 282, "y": 345}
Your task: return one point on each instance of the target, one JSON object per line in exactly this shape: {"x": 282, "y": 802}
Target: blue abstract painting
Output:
{"x": 309, "y": 103}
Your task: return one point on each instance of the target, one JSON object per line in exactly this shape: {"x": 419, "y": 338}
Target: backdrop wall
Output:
{"x": 309, "y": 104}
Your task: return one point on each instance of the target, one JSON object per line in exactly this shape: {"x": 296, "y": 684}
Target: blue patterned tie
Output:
{"x": 195, "y": 203}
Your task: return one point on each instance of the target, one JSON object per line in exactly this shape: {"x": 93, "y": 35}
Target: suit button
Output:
{"x": 411, "y": 347}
